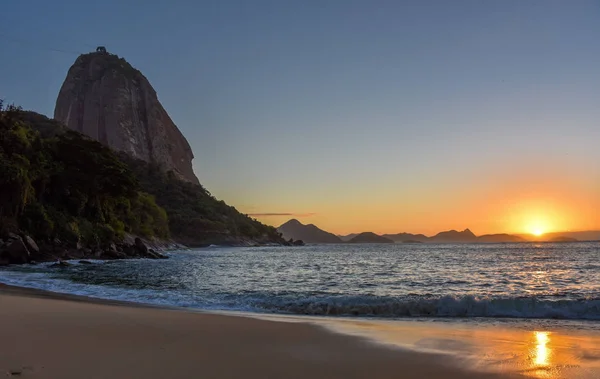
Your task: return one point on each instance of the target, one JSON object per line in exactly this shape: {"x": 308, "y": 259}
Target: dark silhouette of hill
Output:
{"x": 454, "y": 236}
{"x": 450, "y": 236}
{"x": 348, "y": 237}
{"x": 404, "y": 237}
{"x": 369, "y": 237}
{"x": 308, "y": 233}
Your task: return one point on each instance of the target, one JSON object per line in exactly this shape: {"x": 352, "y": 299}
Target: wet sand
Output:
{"x": 46, "y": 335}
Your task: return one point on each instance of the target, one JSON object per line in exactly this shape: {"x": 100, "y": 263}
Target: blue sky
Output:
{"x": 364, "y": 114}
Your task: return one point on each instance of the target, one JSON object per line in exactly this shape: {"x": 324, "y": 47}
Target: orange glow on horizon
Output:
{"x": 523, "y": 200}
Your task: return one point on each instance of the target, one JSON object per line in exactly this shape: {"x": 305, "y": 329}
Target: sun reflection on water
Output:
{"x": 542, "y": 352}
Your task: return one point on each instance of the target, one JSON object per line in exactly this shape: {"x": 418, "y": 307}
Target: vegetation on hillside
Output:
{"x": 195, "y": 216}
{"x": 57, "y": 183}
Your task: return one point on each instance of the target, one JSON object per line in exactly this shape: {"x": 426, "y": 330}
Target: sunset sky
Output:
{"x": 383, "y": 116}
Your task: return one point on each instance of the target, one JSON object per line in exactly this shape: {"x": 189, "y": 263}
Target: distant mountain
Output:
{"x": 308, "y": 233}
{"x": 404, "y": 237}
{"x": 348, "y": 237}
{"x": 562, "y": 239}
{"x": 454, "y": 236}
{"x": 368, "y": 237}
{"x": 498, "y": 238}
{"x": 588, "y": 235}
{"x": 312, "y": 234}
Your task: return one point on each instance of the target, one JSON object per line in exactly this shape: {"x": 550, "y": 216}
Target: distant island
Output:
{"x": 401, "y": 237}
{"x": 497, "y": 238}
{"x": 563, "y": 239}
{"x": 369, "y": 237}
{"x": 310, "y": 233}
{"x": 294, "y": 229}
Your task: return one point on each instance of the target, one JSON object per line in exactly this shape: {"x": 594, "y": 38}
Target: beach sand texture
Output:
{"x": 55, "y": 336}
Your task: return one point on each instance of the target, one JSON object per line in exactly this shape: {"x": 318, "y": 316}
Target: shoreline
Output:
{"x": 417, "y": 348}
{"x": 559, "y": 322}
{"x": 104, "y": 338}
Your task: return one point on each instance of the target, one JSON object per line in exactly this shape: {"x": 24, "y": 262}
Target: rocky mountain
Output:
{"x": 453, "y": 236}
{"x": 105, "y": 98}
{"x": 369, "y": 237}
{"x": 310, "y": 233}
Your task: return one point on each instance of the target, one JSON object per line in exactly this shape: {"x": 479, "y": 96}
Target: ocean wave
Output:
{"x": 321, "y": 304}
{"x": 466, "y": 306}
{"x": 446, "y": 306}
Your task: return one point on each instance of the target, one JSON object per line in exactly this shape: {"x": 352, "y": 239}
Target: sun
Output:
{"x": 537, "y": 232}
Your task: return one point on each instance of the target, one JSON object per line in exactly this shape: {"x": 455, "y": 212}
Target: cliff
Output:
{"x": 105, "y": 98}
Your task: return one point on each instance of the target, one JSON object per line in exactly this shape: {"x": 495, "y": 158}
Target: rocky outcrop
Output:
{"x": 105, "y": 98}
{"x": 15, "y": 251}
{"x": 20, "y": 249}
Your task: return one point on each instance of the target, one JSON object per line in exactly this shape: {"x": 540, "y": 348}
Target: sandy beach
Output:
{"x": 47, "y": 335}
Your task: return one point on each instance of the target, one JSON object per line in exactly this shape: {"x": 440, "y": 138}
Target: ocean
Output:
{"x": 529, "y": 283}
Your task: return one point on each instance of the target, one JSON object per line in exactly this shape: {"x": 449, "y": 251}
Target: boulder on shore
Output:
{"x": 140, "y": 247}
{"x": 30, "y": 243}
{"x": 60, "y": 264}
{"x": 15, "y": 252}
{"x": 110, "y": 254}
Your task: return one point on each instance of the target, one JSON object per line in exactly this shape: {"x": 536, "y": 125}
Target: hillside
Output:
{"x": 310, "y": 233}
{"x": 196, "y": 218}
{"x": 59, "y": 184}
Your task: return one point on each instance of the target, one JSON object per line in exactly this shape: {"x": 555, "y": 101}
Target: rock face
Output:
{"x": 14, "y": 251}
{"x": 105, "y": 98}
